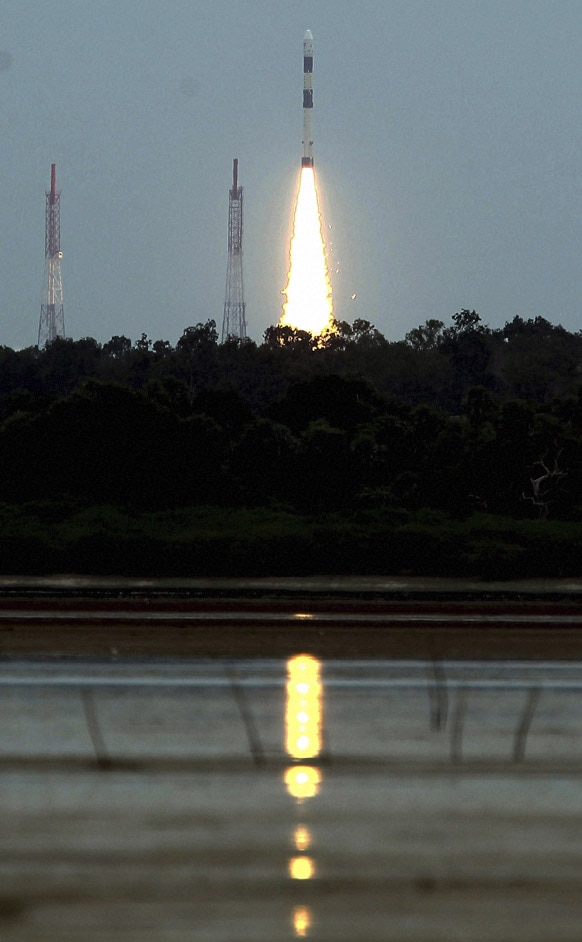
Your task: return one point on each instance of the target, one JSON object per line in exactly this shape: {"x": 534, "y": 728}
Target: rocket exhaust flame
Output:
{"x": 308, "y": 304}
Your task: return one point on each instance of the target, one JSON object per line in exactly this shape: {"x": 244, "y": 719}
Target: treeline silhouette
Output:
{"x": 456, "y": 451}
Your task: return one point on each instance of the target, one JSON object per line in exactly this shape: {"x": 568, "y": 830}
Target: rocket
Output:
{"x": 307, "y": 159}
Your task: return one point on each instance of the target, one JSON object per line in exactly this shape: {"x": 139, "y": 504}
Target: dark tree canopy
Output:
{"x": 453, "y": 417}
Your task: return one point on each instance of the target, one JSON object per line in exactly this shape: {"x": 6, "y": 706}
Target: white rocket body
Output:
{"x": 307, "y": 159}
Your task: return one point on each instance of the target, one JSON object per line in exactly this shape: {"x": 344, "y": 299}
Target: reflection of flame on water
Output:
{"x": 301, "y": 921}
{"x": 308, "y": 292}
{"x": 302, "y": 781}
{"x": 303, "y": 716}
{"x": 303, "y": 725}
{"x": 301, "y": 868}
{"x": 302, "y": 838}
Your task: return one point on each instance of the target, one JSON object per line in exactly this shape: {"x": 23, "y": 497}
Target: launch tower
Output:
{"x": 234, "y": 322}
{"x": 52, "y": 313}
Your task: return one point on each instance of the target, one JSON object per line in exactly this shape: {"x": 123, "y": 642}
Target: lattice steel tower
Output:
{"x": 234, "y": 321}
{"x": 52, "y": 312}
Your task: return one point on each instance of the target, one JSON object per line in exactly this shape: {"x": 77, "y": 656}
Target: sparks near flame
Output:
{"x": 308, "y": 292}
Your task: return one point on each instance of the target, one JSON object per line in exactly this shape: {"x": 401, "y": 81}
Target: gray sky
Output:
{"x": 447, "y": 148}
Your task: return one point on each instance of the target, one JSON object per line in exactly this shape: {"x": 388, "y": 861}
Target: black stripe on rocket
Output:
{"x": 307, "y": 159}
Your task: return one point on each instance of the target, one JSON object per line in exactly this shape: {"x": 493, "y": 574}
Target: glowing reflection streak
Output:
{"x": 301, "y": 868}
{"x": 302, "y": 838}
{"x": 301, "y": 921}
{"x": 303, "y": 724}
{"x": 302, "y": 781}
{"x": 303, "y": 715}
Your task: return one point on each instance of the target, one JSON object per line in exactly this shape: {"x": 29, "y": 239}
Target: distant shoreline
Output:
{"x": 63, "y": 585}
{"x": 191, "y": 619}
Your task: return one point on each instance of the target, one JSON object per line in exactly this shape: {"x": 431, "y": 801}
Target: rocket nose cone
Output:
{"x": 308, "y": 36}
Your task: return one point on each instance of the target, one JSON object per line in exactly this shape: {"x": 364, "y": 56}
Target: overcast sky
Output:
{"x": 448, "y": 153}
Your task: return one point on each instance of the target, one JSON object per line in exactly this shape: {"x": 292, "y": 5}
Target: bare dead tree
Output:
{"x": 544, "y": 486}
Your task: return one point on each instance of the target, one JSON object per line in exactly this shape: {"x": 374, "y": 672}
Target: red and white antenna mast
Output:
{"x": 234, "y": 320}
{"x": 52, "y": 312}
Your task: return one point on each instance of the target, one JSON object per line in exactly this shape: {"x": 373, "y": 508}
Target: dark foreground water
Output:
{"x": 165, "y": 801}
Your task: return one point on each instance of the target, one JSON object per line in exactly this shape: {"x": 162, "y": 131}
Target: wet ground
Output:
{"x": 274, "y": 799}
